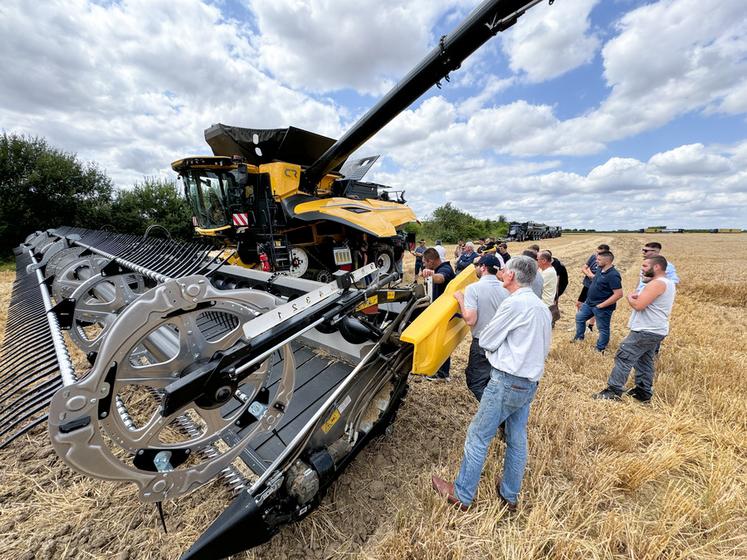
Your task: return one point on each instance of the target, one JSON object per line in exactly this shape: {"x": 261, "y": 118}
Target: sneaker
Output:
{"x": 607, "y": 395}
{"x": 437, "y": 377}
{"x": 574, "y": 340}
{"x": 602, "y": 351}
{"x": 639, "y": 394}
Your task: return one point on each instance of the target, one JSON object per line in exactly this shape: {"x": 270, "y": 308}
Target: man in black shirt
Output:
{"x": 503, "y": 251}
{"x": 562, "y": 276}
{"x": 441, "y": 273}
{"x": 605, "y": 290}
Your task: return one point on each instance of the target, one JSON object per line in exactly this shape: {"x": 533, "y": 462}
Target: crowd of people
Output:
{"x": 511, "y": 311}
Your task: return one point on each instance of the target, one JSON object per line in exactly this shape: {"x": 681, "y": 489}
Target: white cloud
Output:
{"x": 619, "y": 193}
{"x": 691, "y": 159}
{"x": 321, "y": 45}
{"x": 548, "y": 41}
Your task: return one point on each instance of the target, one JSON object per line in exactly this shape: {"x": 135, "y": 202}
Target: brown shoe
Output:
{"x": 446, "y": 489}
{"x": 512, "y": 508}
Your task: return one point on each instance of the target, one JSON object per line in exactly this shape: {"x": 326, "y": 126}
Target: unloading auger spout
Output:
{"x": 488, "y": 19}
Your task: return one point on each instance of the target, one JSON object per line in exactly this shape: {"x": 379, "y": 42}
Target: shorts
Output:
{"x": 582, "y": 295}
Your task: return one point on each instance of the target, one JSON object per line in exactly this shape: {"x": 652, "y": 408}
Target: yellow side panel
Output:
{"x": 284, "y": 178}
{"x": 379, "y": 218}
{"x": 436, "y": 332}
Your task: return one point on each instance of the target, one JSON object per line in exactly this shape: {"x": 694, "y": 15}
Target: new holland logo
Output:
{"x": 241, "y": 219}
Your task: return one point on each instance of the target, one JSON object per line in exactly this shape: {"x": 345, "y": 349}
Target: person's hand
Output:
{"x": 427, "y": 273}
{"x": 578, "y": 305}
{"x": 459, "y": 296}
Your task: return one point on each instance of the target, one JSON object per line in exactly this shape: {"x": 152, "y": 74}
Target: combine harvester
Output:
{"x": 203, "y": 370}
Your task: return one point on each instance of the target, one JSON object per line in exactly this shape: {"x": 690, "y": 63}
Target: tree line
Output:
{"x": 450, "y": 224}
{"x": 42, "y": 187}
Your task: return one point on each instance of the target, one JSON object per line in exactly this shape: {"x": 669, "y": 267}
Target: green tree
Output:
{"x": 451, "y": 224}
{"x": 42, "y": 187}
{"x": 154, "y": 201}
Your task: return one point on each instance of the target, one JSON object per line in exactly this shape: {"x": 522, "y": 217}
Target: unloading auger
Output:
{"x": 202, "y": 370}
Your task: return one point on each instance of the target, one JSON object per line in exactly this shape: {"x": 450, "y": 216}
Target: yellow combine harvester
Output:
{"x": 257, "y": 193}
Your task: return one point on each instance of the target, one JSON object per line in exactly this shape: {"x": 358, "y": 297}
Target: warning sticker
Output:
{"x": 331, "y": 421}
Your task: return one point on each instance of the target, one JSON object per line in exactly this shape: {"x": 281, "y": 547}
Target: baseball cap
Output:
{"x": 489, "y": 260}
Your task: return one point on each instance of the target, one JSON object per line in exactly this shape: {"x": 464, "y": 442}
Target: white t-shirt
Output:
{"x": 549, "y": 285}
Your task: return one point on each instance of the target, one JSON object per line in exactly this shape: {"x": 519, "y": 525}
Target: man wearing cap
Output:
{"x": 478, "y": 304}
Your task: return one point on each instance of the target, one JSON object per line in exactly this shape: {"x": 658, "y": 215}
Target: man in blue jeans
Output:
{"x": 604, "y": 291}
{"x": 516, "y": 343}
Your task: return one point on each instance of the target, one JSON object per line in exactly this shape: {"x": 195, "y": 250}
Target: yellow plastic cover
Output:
{"x": 436, "y": 332}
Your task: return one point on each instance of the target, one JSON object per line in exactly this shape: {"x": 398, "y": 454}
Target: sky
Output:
{"x": 586, "y": 114}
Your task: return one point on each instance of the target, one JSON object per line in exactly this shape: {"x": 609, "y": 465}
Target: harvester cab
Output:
{"x": 252, "y": 194}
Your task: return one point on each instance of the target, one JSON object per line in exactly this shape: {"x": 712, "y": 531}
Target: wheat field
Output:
{"x": 604, "y": 479}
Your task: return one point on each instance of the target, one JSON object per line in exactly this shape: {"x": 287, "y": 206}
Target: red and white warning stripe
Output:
{"x": 241, "y": 219}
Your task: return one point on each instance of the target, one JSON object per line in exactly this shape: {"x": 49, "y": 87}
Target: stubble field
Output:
{"x": 604, "y": 479}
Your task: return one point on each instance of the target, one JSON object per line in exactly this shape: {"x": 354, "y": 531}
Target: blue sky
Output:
{"x": 587, "y": 113}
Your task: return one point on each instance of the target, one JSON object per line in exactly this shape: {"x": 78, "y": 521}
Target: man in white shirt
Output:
{"x": 549, "y": 283}
{"x": 441, "y": 250}
{"x": 516, "y": 342}
{"x": 478, "y": 304}
{"x": 549, "y": 277}
{"x": 649, "y": 324}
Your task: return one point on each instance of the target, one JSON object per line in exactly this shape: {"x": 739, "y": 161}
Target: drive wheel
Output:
{"x": 384, "y": 260}
{"x": 299, "y": 262}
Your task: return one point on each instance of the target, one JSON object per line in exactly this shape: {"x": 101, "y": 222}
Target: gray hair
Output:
{"x": 469, "y": 244}
{"x": 545, "y": 256}
{"x": 525, "y": 269}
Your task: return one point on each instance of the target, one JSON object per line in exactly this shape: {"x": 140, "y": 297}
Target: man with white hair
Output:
{"x": 516, "y": 342}
{"x": 467, "y": 257}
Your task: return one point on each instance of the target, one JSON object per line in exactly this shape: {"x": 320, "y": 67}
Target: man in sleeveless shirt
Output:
{"x": 649, "y": 324}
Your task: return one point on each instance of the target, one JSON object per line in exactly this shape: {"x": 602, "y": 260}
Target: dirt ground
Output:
{"x": 604, "y": 479}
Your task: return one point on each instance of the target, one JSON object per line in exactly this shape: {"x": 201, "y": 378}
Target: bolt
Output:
{"x": 223, "y": 393}
{"x": 103, "y": 414}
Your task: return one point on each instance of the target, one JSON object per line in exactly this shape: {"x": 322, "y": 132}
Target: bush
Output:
{"x": 451, "y": 224}
{"x": 42, "y": 187}
{"x": 155, "y": 201}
